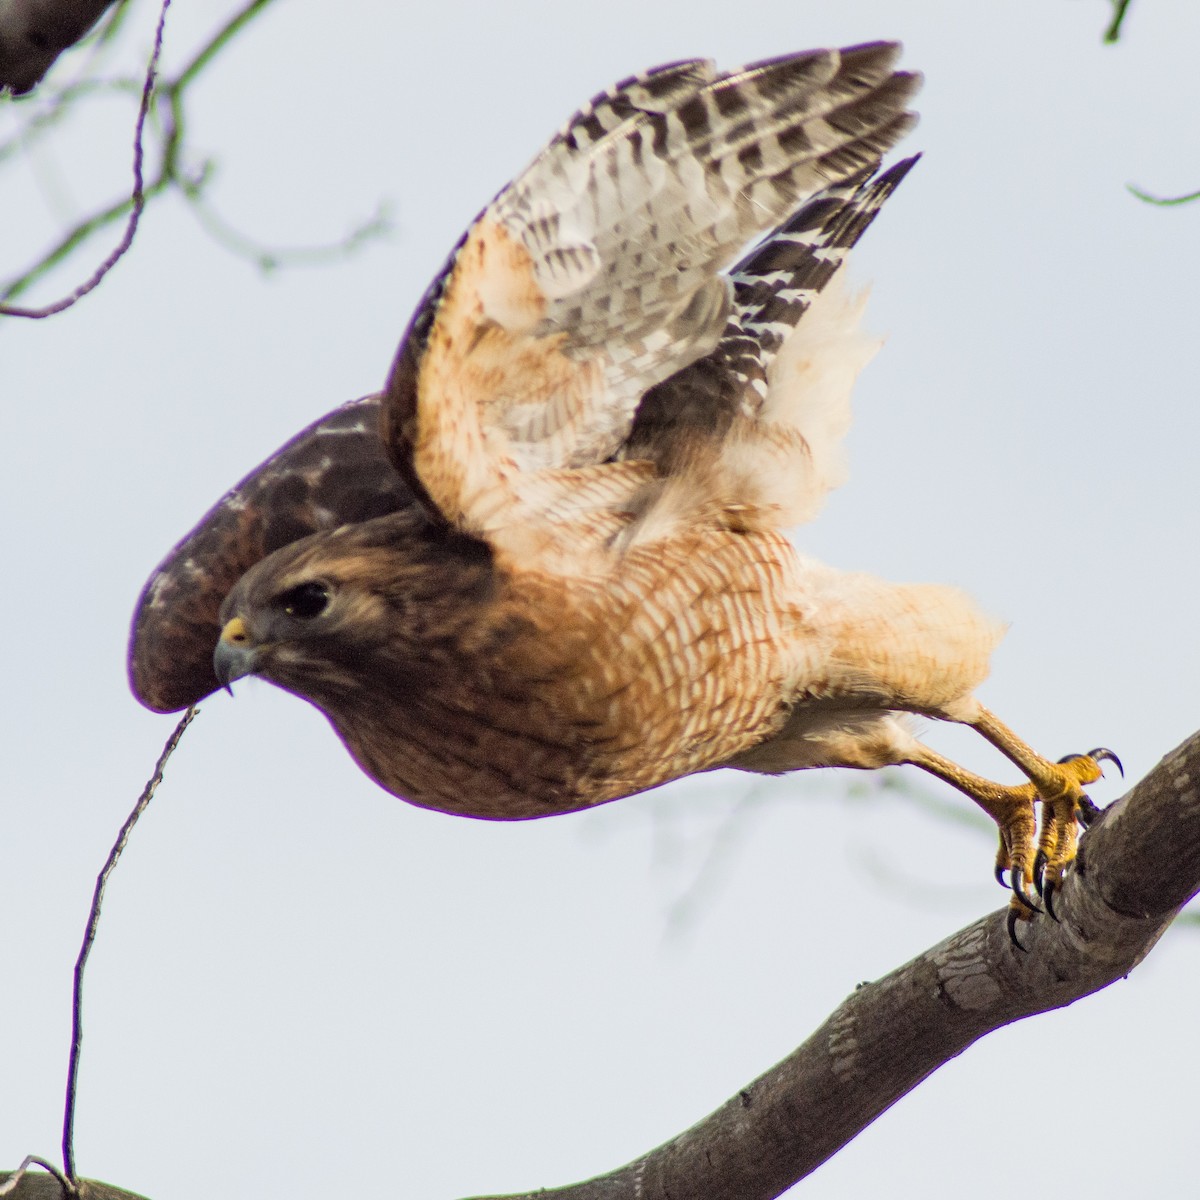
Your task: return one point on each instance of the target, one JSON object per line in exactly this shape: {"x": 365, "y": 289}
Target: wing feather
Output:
{"x": 750, "y": 435}
{"x": 581, "y": 373}
{"x": 595, "y": 275}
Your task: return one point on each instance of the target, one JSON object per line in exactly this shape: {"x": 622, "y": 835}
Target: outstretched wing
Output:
{"x": 596, "y": 274}
{"x": 586, "y": 295}
{"x": 333, "y": 473}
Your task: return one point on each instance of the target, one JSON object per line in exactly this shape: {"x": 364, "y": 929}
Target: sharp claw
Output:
{"x": 1102, "y": 754}
{"x": 1018, "y": 890}
{"x": 1086, "y": 811}
{"x": 1099, "y": 755}
{"x": 999, "y": 873}
{"x": 1048, "y": 899}
{"x": 1011, "y": 923}
{"x": 1039, "y": 871}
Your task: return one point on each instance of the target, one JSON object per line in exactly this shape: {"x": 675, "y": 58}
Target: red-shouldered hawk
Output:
{"x": 545, "y": 567}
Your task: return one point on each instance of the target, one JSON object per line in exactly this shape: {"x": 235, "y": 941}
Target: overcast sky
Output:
{"x": 304, "y": 986}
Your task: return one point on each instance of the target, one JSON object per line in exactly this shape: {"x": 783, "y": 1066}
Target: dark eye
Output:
{"x": 305, "y": 601}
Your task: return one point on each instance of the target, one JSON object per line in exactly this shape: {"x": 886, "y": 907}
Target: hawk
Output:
{"x": 546, "y": 566}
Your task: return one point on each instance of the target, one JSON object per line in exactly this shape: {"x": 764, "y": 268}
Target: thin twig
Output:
{"x": 106, "y": 32}
{"x": 1162, "y": 201}
{"x": 171, "y": 173}
{"x": 1113, "y": 32}
{"x": 138, "y": 198}
{"x": 216, "y": 43}
{"x": 723, "y": 847}
{"x": 270, "y": 258}
{"x": 59, "y": 104}
{"x": 89, "y": 937}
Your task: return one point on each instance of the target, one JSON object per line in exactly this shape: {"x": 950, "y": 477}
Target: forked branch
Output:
{"x": 161, "y": 120}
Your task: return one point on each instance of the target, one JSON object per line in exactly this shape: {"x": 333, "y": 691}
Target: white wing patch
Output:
{"x": 790, "y": 457}
{"x": 596, "y": 275}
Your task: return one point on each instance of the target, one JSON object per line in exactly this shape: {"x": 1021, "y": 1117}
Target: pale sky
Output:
{"x": 304, "y": 986}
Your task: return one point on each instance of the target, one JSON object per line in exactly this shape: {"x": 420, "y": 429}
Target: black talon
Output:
{"x": 1086, "y": 811}
{"x": 999, "y": 873}
{"x": 1102, "y": 754}
{"x": 1018, "y": 890}
{"x": 1039, "y": 871}
{"x": 1048, "y": 899}
{"x": 1012, "y": 930}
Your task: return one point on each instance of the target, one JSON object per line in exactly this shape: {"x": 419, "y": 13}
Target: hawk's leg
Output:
{"x": 1010, "y": 807}
{"x": 1059, "y": 786}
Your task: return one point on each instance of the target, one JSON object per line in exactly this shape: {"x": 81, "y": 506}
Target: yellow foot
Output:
{"x": 1035, "y": 859}
{"x": 1065, "y": 809}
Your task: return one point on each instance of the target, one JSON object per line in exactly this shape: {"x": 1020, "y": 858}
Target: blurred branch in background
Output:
{"x": 164, "y": 103}
{"x": 133, "y": 208}
{"x": 701, "y": 842}
{"x": 1113, "y": 32}
{"x": 1162, "y": 201}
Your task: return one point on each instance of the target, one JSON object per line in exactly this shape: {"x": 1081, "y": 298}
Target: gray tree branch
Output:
{"x": 1137, "y": 866}
{"x": 37, "y": 1186}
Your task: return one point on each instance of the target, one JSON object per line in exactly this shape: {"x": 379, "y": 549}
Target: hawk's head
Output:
{"x": 366, "y": 609}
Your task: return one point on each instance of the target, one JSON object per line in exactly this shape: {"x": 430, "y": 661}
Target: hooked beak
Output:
{"x": 235, "y": 654}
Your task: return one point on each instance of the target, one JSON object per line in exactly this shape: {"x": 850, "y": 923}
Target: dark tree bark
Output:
{"x": 39, "y": 1186}
{"x": 1137, "y": 866}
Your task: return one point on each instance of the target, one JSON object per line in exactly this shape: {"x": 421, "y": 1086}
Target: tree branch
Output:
{"x": 37, "y": 1186}
{"x": 1137, "y": 866}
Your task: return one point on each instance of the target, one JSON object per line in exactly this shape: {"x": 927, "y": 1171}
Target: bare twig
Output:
{"x": 1163, "y": 201}
{"x": 171, "y": 173}
{"x": 136, "y": 203}
{"x": 1113, "y": 32}
{"x": 89, "y": 937}
{"x": 217, "y": 43}
{"x": 60, "y": 104}
{"x": 726, "y": 841}
{"x": 723, "y": 847}
{"x": 270, "y": 258}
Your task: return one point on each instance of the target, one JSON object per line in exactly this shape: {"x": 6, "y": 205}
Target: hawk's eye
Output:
{"x": 305, "y": 600}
